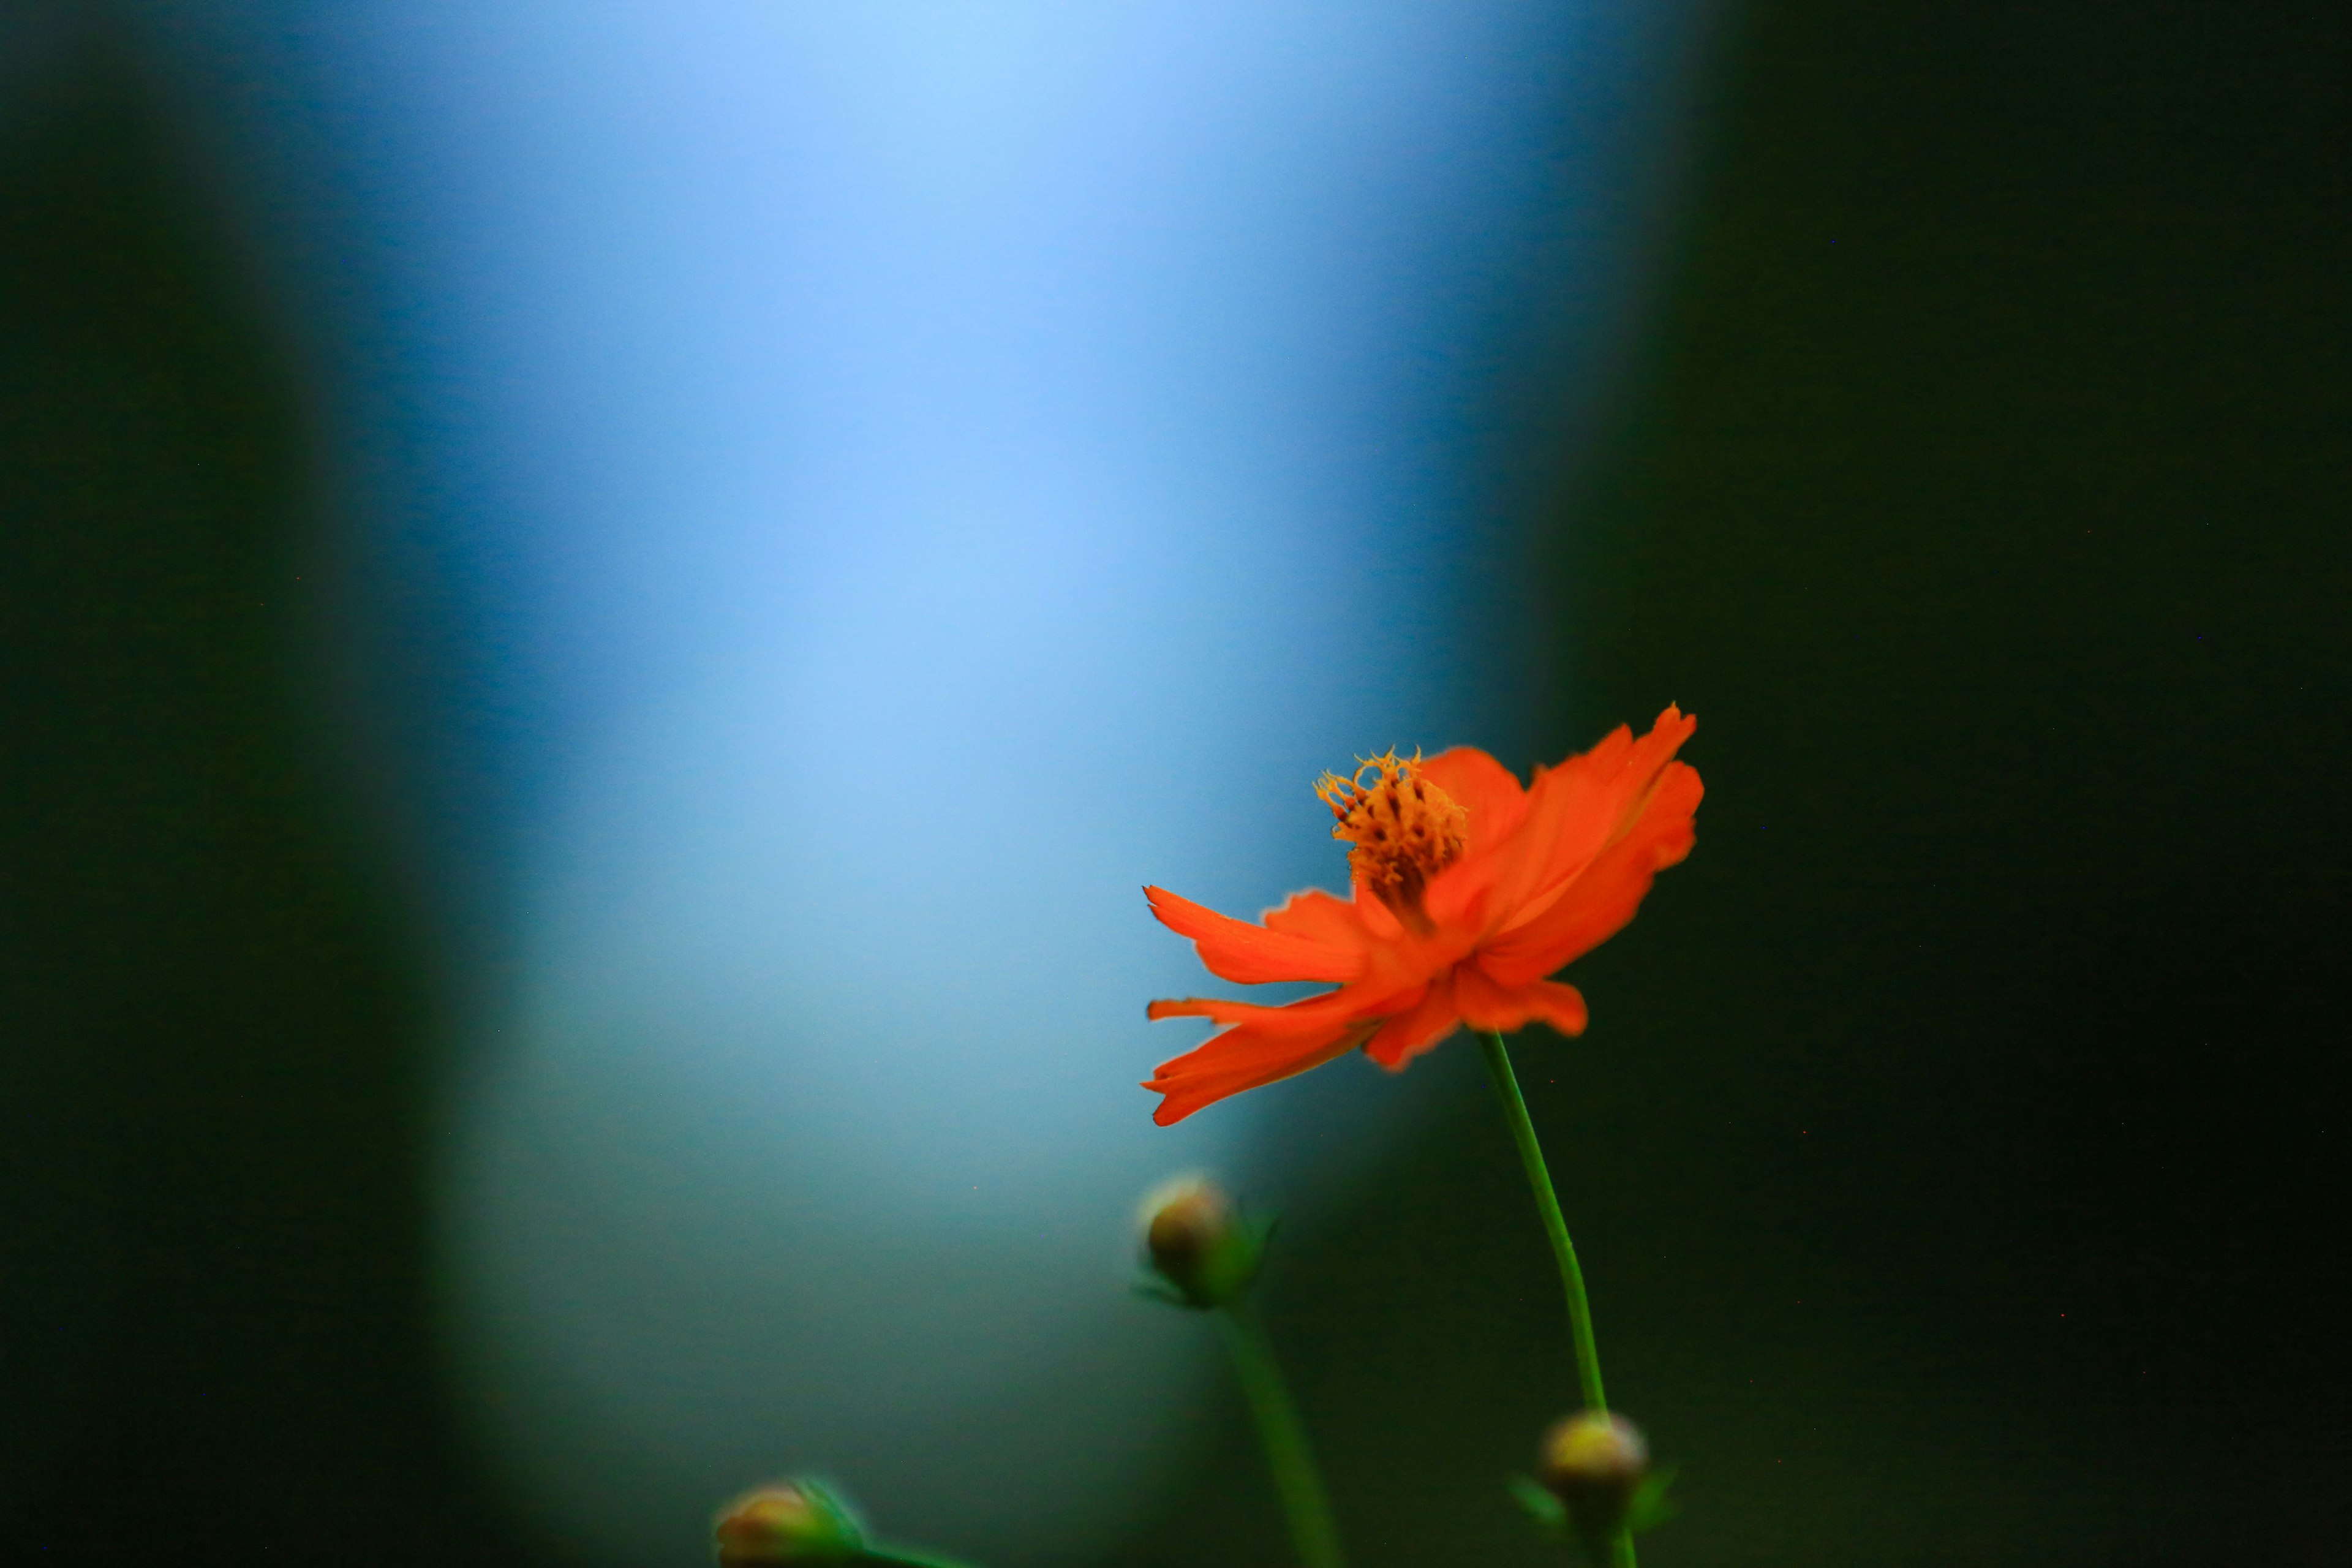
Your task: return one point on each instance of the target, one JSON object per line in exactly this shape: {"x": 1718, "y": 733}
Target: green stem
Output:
{"x": 900, "y": 1557}
{"x": 1563, "y": 1251}
{"x": 1284, "y": 1437}
{"x": 1571, "y": 1278}
{"x": 1616, "y": 1549}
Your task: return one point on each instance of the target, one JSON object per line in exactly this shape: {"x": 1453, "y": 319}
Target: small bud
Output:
{"x": 1193, "y": 1239}
{"x": 1592, "y": 1462}
{"x": 790, "y": 1521}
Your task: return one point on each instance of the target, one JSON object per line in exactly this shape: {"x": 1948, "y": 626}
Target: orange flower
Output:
{"x": 1468, "y": 892}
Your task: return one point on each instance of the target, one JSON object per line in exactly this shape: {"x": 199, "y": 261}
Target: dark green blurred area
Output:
{"x": 215, "y": 1339}
{"x": 1956, "y": 1150}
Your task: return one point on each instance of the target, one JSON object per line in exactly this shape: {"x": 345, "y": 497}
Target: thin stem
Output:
{"x": 1571, "y": 1278}
{"x": 1284, "y": 1436}
{"x": 900, "y": 1557}
{"x": 1563, "y": 1251}
{"x": 1615, "y": 1549}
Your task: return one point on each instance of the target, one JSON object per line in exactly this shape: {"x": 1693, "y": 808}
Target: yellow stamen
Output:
{"x": 1404, "y": 829}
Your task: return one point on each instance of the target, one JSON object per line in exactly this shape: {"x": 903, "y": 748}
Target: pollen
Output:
{"x": 1404, "y": 829}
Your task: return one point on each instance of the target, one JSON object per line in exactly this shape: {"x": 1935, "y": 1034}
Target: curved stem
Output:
{"x": 900, "y": 1557}
{"x": 1284, "y": 1436}
{"x": 1563, "y": 1251}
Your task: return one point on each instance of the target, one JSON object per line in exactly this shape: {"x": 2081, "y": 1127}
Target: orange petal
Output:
{"x": 1484, "y": 787}
{"x": 1577, "y": 810}
{"x": 1308, "y": 1014}
{"x": 1466, "y": 890}
{"x": 1419, "y": 1028}
{"x": 1595, "y": 904}
{"x": 1320, "y": 917}
{"x": 1487, "y": 1006}
{"x": 1249, "y": 955}
{"x": 1265, "y": 1045}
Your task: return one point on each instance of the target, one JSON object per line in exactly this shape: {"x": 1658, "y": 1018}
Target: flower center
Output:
{"x": 1404, "y": 829}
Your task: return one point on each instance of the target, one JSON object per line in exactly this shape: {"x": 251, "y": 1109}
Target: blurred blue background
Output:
{"x": 601, "y": 610}
{"x": 902, "y": 477}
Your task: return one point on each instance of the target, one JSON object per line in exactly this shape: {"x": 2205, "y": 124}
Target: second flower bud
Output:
{"x": 1198, "y": 1243}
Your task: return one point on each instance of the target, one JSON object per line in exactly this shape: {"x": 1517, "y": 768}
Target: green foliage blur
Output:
{"x": 214, "y": 1316}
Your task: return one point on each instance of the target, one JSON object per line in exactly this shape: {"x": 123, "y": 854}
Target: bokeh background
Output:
{"x": 1946, "y": 403}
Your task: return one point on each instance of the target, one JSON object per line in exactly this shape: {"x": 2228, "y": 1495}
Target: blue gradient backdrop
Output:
{"x": 905, "y": 476}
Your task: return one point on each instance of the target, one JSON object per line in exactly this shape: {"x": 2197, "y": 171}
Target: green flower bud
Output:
{"x": 1593, "y": 1462}
{"x": 790, "y": 1521}
{"x": 1193, "y": 1239}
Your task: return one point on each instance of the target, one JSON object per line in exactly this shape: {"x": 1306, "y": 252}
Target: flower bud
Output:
{"x": 1592, "y": 1462}
{"x": 789, "y": 1521}
{"x": 1193, "y": 1239}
